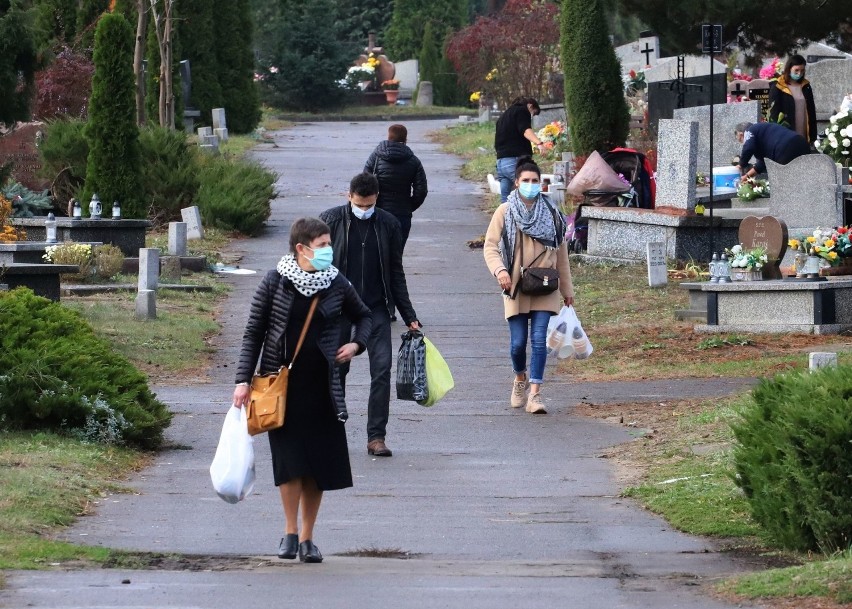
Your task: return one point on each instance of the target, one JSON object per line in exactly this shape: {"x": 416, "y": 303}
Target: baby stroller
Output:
{"x": 637, "y": 170}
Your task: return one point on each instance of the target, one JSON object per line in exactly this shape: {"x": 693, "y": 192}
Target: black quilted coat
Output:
{"x": 267, "y": 325}
{"x": 390, "y": 255}
{"x": 402, "y": 179}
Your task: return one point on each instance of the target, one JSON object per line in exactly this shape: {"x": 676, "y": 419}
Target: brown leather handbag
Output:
{"x": 268, "y": 403}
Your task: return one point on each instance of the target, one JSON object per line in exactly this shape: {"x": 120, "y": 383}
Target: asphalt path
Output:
{"x": 480, "y": 506}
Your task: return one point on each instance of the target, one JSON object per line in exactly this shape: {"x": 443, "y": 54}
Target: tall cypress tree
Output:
{"x": 87, "y": 18}
{"x": 594, "y": 95}
{"x": 112, "y": 170}
{"x": 235, "y": 62}
{"x": 198, "y": 43}
{"x": 17, "y": 58}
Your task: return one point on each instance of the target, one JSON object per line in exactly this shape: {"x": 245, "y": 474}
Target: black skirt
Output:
{"x": 312, "y": 442}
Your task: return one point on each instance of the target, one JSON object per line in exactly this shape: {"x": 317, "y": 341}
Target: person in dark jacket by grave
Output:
{"x": 402, "y": 179}
{"x": 309, "y": 453}
{"x": 368, "y": 250}
{"x": 767, "y": 141}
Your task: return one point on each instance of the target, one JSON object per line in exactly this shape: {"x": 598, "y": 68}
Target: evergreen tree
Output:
{"x": 430, "y": 57}
{"x": 18, "y": 57}
{"x": 594, "y": 96}
{"x": 56, "y": 23}
{"x": 357, "y": 18}
{"x": 88, "y": 14}
{"x": 235, "y": 62}
{"x": 113, "y": 167}
{"x": 301, "y": 73}
{"x": 196, "y": 33}
{"x": 404, "y": 36}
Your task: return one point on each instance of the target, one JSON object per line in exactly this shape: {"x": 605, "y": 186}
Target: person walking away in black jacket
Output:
{"x": 767, "y": 141}
{"x": 512, "y": 138}
{"x": 791, "y": 99}
{"x": 367, "y": 245}
{"x": 402, "y": 179}
{"x": 309, "y": 452}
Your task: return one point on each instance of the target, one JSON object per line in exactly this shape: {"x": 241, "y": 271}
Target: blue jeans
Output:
{"x": 537, "y": 331}
{"x": 506, "y": 175}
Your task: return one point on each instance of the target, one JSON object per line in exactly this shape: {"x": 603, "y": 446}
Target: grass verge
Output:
{"x": 47, "y": 482}
{"x": 681, "y": 467}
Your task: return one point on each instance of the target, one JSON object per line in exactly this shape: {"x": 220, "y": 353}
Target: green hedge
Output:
{"x": 169, "y": 172}
{"x": 794, "y": 458}
{"x": 58, "y": 375}
{"x": 235, "y": 195}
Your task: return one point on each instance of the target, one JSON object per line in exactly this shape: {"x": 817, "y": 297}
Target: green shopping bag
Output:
{"x": 439, "y": 379}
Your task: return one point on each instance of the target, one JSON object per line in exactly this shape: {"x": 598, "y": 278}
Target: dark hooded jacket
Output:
{"x": 402, "y": 180}
{"x": 267, "y": 326}
{"x": 782, "y": 102}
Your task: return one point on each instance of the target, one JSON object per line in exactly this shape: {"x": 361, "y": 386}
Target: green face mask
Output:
{"x": 796, "y": 77}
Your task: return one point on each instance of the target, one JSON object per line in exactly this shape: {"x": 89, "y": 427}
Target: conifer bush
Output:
{"x": 57, "y": 375}
{"x": 113, "y": 167}
{"x": 234, "y": 195}
{"x": 793, "y": 458}
{"x": 594, "y": 94}
{"x": 170, "y": 170}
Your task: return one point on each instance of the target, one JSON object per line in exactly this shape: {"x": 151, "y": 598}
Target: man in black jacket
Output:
{"x": 767, "y": 141}
{"x": 367, "y": 248}
{"x": 402, "y": 180}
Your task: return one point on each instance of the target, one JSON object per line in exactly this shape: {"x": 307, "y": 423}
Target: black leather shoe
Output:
{"x": 289, "y": 546}
{"x": 308, "y": 552}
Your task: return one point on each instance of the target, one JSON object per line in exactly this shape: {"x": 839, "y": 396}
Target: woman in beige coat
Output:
{"x": 528, "y": 227}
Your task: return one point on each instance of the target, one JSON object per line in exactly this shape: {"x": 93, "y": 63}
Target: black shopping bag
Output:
{"x": 411, "y": 368}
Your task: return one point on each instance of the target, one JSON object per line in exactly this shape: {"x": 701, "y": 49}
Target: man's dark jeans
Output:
{"x": 380, "y": 352}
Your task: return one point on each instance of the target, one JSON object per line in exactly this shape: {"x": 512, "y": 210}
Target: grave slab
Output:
{"x": 818, "y": 360}
{"x": 192, "y": 217}
{"x": 149, "y": 268}
{"x": 42, "y": 279}
{"x": 177, "y": 238}
{"x": 725, "y": 118}
{"x": 127, "y": 235}
{"x": 146, "y": 304}
{"x": 677, "y": 146}
{"x": 655, "y": 257}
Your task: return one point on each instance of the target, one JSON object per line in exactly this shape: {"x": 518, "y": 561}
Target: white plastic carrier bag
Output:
{"x": 232, "y": 470}
{"x": 566, "y": 337}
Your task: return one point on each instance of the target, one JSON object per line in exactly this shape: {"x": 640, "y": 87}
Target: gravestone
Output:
{"x": 149, "y": 268}
{"x": 805, "y": 192}
{"x": 221, "y": 135}
{"x": 767, "y": 232}
{"x": 662, "y": 85}
{"x": 20, "y": 147}
{"x": 655, "y": 258}
{"x": 219, "y": 118}
{"x": 738, "y": 89}
{"x": 190, "y": 114}
{"x": 758, "y": 90}
{"x": 146, "y": 304}
{"x": 677, "y": 150}
{"x": 639, "y": 54}
{"x": 725, "y": 118}
{"x": 424, "y": 94}
{"x": 831, "y": 80}
{"x": 386, "y": 69}
{"x": 177, "y": 238}
{"x": 817, "y": 360}
{"x": 406, "y": 74}
{"x": 192, "y": 218}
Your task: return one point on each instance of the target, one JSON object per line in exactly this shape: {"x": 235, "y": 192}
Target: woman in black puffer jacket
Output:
{"x": 309, "y": 453}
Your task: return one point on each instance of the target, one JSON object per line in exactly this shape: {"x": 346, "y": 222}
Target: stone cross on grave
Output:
{"x": 735, "y": 89}
{"x": 647, "y": 53}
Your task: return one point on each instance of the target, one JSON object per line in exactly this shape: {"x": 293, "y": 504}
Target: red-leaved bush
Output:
{"x": 510, "y": 54}
{"x": 64, "y": 87}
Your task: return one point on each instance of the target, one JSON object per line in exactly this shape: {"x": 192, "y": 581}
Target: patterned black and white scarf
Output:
{"x": 541, "y": 222}
{"x": 305, "y": 283}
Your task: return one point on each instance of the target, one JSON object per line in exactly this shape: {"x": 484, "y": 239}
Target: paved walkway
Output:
{"x": 493, "y": 507}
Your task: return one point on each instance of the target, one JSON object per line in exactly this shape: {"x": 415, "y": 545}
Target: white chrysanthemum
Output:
{"x": 737, "y": 249}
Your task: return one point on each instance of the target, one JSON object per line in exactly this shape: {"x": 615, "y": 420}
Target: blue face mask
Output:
{"x": 795, "y": 76}
{"x": 529, "y": 190}
{"x": 322, "y": 257}
{"x": 363, "y": 214}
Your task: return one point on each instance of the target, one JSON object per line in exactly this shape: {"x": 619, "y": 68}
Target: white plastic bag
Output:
{"x": 568, "y": 340}
{"x": 232, "y": 470}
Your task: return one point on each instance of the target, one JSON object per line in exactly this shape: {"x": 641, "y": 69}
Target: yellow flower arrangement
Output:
{"x": 475, "y": 97}
{"x": 8, "y": 232}
{"x": 820, "y": 243}
{"x": 491, "y": 75}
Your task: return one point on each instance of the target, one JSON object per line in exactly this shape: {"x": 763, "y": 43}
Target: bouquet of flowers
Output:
{"x": 820, "y": 243}
{"x": 773, "y": 70}
{"x": 842, "y": 237}
{"x": 753, "y": 189}
{"x": 747, "y": 260}
{"x": 554, "y": 136}
{"x": 635, "y": 82}
{"x": 356, "y": 75}
{"x": 838, "y": 138}
{"x": 7, "y": 231}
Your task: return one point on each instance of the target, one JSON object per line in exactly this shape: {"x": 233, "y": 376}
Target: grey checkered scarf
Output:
{"x": 542, "y": 222}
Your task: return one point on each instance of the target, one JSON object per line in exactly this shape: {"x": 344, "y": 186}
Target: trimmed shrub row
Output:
{"x": 793, "y": 458}
{"x": 58, "y": 375}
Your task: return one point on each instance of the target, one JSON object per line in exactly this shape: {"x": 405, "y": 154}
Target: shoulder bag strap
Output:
{"x": 304, "y": 330}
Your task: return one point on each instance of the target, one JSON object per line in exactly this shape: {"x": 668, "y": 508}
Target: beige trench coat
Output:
{"x": 557, "y": 258}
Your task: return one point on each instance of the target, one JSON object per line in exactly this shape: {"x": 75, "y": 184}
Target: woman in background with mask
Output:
{"x": 791, "y": 100}
{"x": 309, "y": 453}
{"x": 528, "y": 228}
